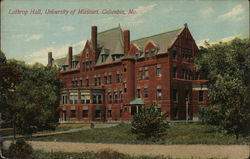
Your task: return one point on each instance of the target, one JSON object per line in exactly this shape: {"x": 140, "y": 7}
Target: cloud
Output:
{"x": 33, "y": 37}
{"x": 207, "y": 40}
{"x": 202, "y": 42}
{"x": 67, "y": 28}
{"x": 41, "y": 55}
{"x": 144, "y": 9}
{"x": 226, "y": 39}
{"x": 207, "y": 11}
{"x": 237, "y": 10}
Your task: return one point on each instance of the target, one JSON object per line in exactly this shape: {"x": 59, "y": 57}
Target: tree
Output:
{"x": 32, "y": 105}
{"x": 149, "y": 123}
{"x": 9, "y": 77}
{"x": 228, "y": 68}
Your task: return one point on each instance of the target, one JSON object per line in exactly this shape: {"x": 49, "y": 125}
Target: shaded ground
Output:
{"x": 178, "y": 133}
{"x": 185, "y": 151}
{"x": 64, "y": 130}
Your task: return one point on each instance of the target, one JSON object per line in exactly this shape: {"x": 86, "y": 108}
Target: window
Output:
{"x": 73, "y": 98}
{"x": 110, "y": 97}
{"x": 95, "y": 81}
{"x": 125, "y": 86}
{"x": 87, "y": 99}
{"x": 99, "y": 100}
{"x": 94, "y": 101}
{"x": 140, "y": 74}
{"x": 109, "y": 111}
{"x": 82, "y": 98}
{"x": 183, "y": 73}
{"x": 201, "y": 96}
{"x": 153, "y": 51}
{"x": 146, "y": 91}
{"x": 110, "y": 79}
{"x": 175, "y": 95}
{"x": 99, "y": 80}
{"x": 121, "y": 96}
{"x": 138, "y": 93}
{"x": 158, "y": 71}
{"x": 137, "y": 55}
{"x": 74, "y": 64}
{"x": 159, "y": 94}
{"x": 146, "y": 73}
{"x": 87, "y": 53}
{"x": 87, "y": 82}
{"x": 64, "y": 99}
{"x": 174, "y": 72}
{"x": 105, "y": 79}
{"x": 72, "y": 111}
{"x": 80, "y": 82}
{"x": 115, "y": 97}
{"x": 85, "y": 112}
{"x": 117, "y": 77}
{"x": 97, "y": 112}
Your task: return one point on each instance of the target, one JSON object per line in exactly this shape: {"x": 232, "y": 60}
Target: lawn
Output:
{"x": 68, "y": 126}
{"x": 178, "y": 133}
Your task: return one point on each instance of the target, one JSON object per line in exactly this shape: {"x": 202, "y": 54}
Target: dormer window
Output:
{"x": 103, "y": 58}
{"x": 64, "y": 67}
{"x": 75, "y": 61}
{"x": 116, "y": 56}
{"x": 141, "y": 52}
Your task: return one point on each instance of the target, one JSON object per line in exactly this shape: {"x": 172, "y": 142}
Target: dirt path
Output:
{"x": 187, "y": 151}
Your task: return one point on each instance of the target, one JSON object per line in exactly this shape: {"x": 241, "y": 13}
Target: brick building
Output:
{"x": 113, "y": 77}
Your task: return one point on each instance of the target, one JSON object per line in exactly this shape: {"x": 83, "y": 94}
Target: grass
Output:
{"x": 178, "y": 133}
{"x": 68, "y": 126}
{"x": 105, "y": 154}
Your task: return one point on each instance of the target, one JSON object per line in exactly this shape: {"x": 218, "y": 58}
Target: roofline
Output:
{"x": 157, "y": 34}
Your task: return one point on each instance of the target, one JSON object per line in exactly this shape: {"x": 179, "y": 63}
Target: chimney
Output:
{"x": 94, "y": 37}
{"x": 49, "y": 58}
{"x": 70, "y": 52}
{"x": 126, "y": 41}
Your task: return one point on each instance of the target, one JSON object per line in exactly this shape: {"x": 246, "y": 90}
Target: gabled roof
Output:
{"x": 163, "y": 40}
{"x": 111, "y": 40}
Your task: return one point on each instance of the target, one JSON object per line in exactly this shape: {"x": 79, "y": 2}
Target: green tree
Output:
{"x": 32, "y": 105}
{"x": 228, "y": 68}
{"x": 149, "y": 123}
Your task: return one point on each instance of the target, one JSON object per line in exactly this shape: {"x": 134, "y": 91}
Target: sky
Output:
{"x": 29, "y": 37}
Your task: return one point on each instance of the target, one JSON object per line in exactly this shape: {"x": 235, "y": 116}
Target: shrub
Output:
{"x": 149, "y": 123}
{"x": 20, "y": 150}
